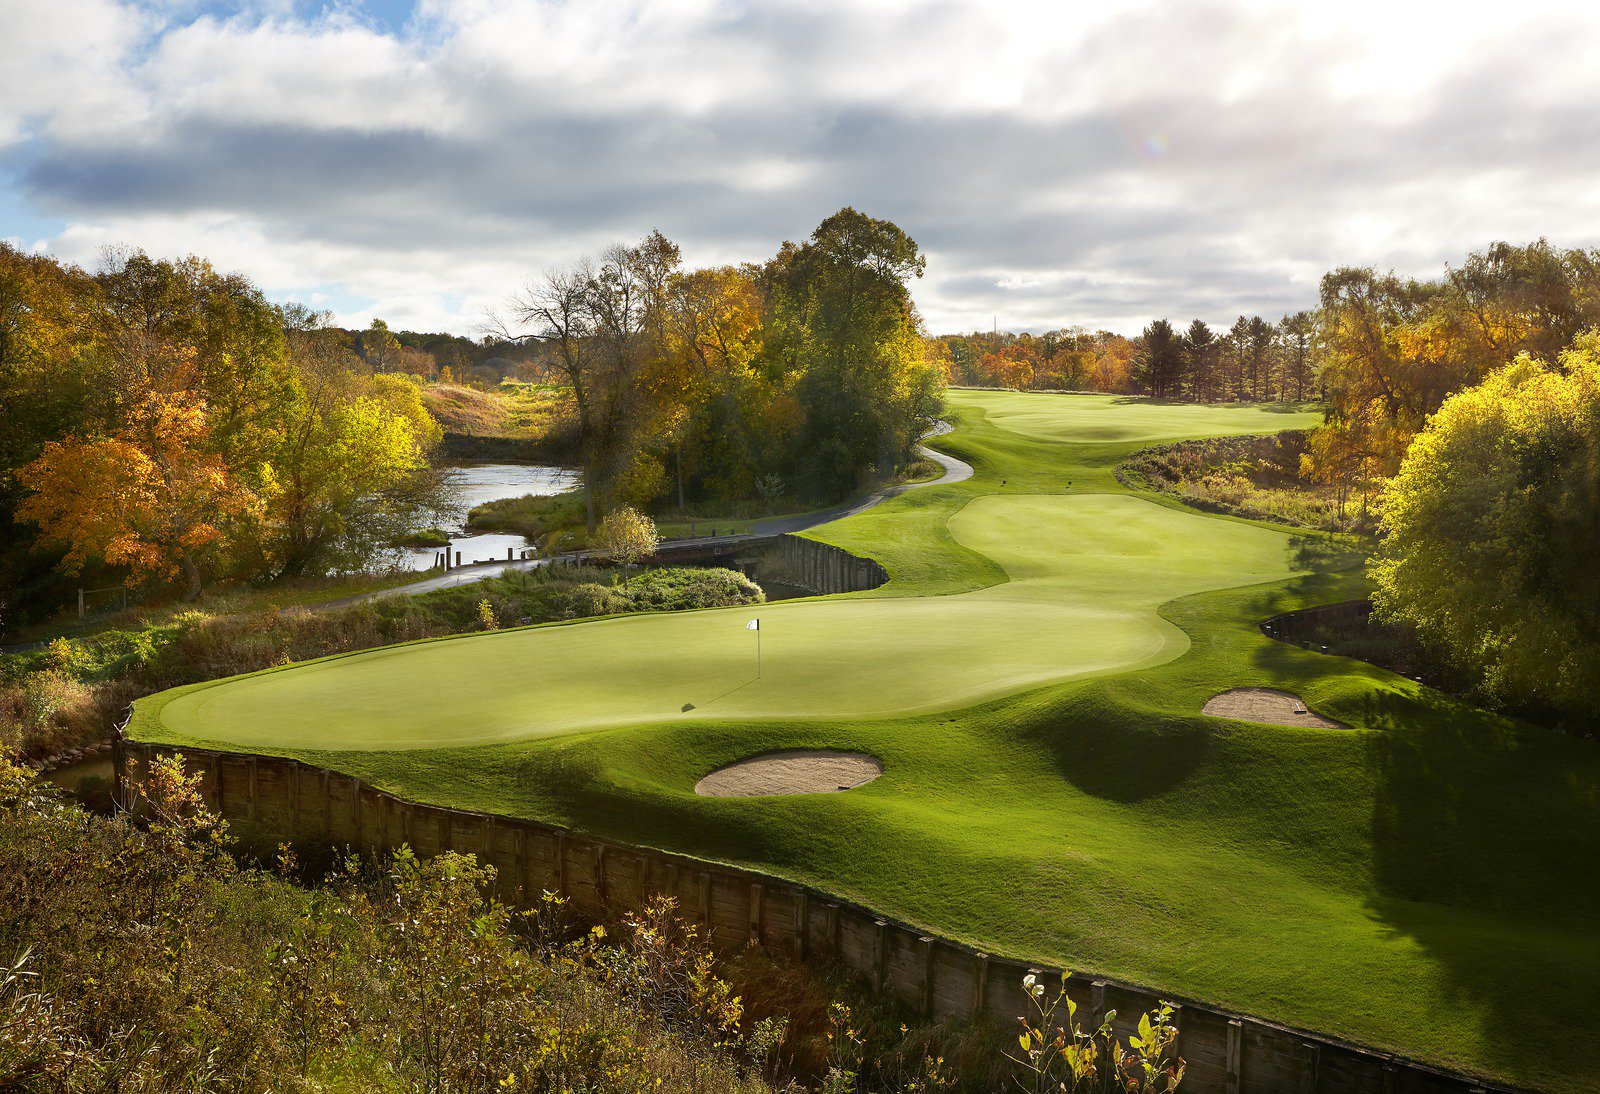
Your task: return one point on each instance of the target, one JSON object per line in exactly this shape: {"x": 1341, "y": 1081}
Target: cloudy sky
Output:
{"x": 1098, "y": 164}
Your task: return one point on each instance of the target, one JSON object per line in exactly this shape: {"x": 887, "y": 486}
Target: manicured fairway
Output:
{"x": 1031, "y": 678}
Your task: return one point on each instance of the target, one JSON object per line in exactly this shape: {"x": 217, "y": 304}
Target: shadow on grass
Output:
{"x": 1485, "y": 835}
{"x": 1323, "y": 554}
{"x": 1116, "y": 750}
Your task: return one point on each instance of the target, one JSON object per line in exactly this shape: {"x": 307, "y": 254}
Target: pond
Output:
{"x": 473, "y": 484}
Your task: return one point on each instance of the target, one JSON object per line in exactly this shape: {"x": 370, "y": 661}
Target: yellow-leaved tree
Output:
{"x": 626, "y": 537}
{"x": 346, "y": 472}
{"x": 1490, "y": 529}
{"x": 150, "y": 497}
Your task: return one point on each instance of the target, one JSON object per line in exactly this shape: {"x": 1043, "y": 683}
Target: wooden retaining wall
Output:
{"x": 824, "y": 568}
{"x": 1226, "y": 1053}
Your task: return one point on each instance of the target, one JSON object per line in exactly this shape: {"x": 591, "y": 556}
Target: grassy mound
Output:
{"x": 470, "y": 412}
{"x": 1032, "y": 678}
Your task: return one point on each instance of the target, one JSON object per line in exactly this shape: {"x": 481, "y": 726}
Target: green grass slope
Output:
{"x": 1422, "y": 882}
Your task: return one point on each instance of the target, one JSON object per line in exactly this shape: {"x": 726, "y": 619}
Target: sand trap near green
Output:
{"x": 1086, "y": 576}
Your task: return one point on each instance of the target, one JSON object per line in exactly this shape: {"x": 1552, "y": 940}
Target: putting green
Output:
{"x": 1032, "y": 678}
{"x": 1087, "y": 574}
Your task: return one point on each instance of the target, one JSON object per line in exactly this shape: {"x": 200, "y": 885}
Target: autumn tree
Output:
{"x": 380, "y": 349}
{"x": 731, "y": 425}
{"x": 1489, "y": 532}
{"x": 555, "y": 309}
{"x": 150, "y": 497}
{"x": 183, "y": 327}
{"x": 626, "y": 537}
{"x": 1393, "y": 349}
{"x": 347, "y": 470}
{"x": 851, "y": 332}
{"x": 53, "y": 380}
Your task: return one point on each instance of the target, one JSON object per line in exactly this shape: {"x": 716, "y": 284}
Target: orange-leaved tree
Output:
{"x": 149, "y": 497}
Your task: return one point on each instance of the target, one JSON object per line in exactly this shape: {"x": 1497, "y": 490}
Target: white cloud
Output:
{"x": 1100, "y": 164}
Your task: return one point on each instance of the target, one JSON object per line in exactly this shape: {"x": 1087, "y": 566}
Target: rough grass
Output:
{"x": 1416, "y": 883}
{"x": 531, "y": 412}
{"x": 1256, "y": 477}
{"x": 470, "y": 412}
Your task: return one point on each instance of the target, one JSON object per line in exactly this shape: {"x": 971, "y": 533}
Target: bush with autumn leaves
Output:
{"x": 142, "y": 952}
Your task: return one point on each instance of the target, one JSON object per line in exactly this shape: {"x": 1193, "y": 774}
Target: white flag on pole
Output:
{"x": 753, "y": 625}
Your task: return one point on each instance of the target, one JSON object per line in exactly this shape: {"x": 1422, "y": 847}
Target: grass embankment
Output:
{"x": 1032, "y": 677}
{"x": 516, "y": 411}
{"x": 1255, "y": 477}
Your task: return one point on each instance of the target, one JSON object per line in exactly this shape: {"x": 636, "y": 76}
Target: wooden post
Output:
{"x": 927, "y": 974}
{"x": 833, "y": 931}
{"x": 216, "y": 781}
{"x": 1097, "y": 1002}
{"x": 980, "y": 986}
{"x": 561, "y": 865}
{"x": 1235, "y": 1056}
{"x": 442, "y": 827}
{"x": 756, "y": 894}
{"x": 803, "y": 915}
{"x": 1308, "y": 1071}
{"x": 355, "y": 809}
{"x": 705, "y": 900}
{"x": 600, "y": 875}
{"x": 327, "y": 805}
{"x": 880, "y": 955}
{"x": 254, "y": 810}
{"x": 1177, "y": 1035}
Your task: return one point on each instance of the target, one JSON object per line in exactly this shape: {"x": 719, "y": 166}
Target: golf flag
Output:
{"x": 753, "y": 625}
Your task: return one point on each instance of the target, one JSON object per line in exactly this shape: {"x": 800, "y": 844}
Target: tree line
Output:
{"x": 163, "y": 422}
{"x": 1069, "y": 359}
{"x": 805, "y": 376}
{"x": 1254, "y": 360}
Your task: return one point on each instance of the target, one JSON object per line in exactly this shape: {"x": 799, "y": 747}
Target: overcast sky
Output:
{"x": 1096, "y": 165}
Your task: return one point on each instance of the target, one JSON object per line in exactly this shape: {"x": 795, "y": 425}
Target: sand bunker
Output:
{"x": 1277, "y": 708}
{"x": 796, "y": 772}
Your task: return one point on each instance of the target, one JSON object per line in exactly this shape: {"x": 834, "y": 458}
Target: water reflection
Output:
{"x": 475, "y": 484}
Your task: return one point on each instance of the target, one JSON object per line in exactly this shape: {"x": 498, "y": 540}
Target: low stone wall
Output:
{"x": 1226, "y": 1053}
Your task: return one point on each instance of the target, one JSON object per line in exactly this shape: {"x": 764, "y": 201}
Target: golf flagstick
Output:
{"x": 755, "y": 625}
